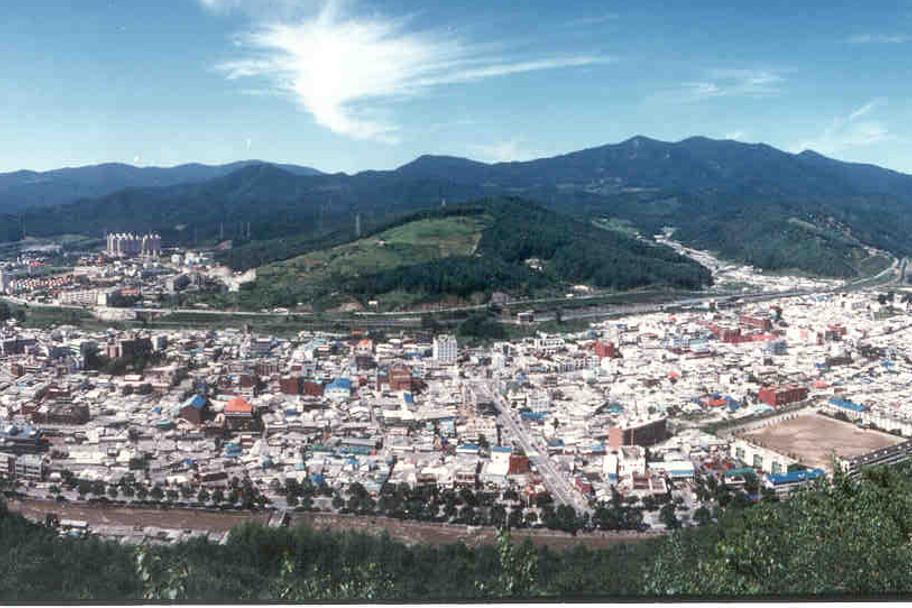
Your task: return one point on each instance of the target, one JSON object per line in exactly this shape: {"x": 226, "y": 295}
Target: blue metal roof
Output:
{"x": 196, "y": 401}
{"x": 343, "y": 383}
{"x": 795, "y": 476}
{"x": 848, "y": 405}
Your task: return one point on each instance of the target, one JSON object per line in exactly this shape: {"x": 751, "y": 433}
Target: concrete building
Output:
{"x": 128, "y": 245}
{"x": 446, "y": 349}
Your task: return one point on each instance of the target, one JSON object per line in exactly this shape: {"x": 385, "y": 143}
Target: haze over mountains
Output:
{"x": 750, "y": 202}
{"x": 22, "y": 189}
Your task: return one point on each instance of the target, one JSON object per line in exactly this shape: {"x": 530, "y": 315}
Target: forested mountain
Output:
{"x": 24, "y": 189}
{"x": 750, "y": 202}
{"x": 468, "y": 251}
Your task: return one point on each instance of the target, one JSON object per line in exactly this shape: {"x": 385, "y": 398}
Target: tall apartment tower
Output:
{"x": 6, "y": 281}
{"x": 127, "y": 245}
{"x": 446, "y": 348}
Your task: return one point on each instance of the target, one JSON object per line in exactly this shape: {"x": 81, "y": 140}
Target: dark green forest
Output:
{"x": 851, "y": 537}
{"x": 572, "y": 251}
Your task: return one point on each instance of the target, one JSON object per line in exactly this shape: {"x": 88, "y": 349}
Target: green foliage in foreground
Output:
{"x": 853, "y": 537}
{"x": 261, "y": 564}
{"x": 846, "y": 538}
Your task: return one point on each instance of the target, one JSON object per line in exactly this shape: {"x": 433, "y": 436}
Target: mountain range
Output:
{"x": 749, "y": 202}
{"x": 23, "y": 189}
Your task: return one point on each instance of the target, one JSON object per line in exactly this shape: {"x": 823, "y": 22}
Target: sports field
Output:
{"x": 812, "y": 439}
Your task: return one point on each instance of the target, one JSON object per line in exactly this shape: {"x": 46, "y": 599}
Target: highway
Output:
{"x": 557, "y": 483}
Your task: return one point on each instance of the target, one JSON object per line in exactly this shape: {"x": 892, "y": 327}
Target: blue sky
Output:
{"x": 347, "y": 85}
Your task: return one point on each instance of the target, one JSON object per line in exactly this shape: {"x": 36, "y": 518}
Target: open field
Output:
{"x": 420, "y": 241}
{"x": 814, "y": 438}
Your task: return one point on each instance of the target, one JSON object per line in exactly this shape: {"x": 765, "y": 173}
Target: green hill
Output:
{"x": 464, "y": 253}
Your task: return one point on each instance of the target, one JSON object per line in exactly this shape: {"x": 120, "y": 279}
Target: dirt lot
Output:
{"x": 432, "y": 533}
{"x": 100, "y": 515}
{"x": 813, "y": 438}
{"x": 405, "y": 531}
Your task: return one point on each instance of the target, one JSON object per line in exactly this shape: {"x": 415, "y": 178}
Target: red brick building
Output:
{"x": 782, "y": 395}
{"x": 290, "y": 385}
{"x": 760, "y": 323}
{"x": 312, "y": 389}
{"x": 400, "y": 378}
{"x": 605, "y": 349}
{"x": 638, "y": 433}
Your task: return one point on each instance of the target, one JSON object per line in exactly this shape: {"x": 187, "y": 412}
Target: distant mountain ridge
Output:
{"x": 24, "y": 189}
{"x": 749, "y": 202}
{"x": 695, "y": 163}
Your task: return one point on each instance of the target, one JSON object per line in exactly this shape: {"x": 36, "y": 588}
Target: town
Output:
{"x": 640, "y": 423}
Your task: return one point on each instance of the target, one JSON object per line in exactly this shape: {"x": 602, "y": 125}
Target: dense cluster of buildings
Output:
{"x": 645, "y": 406}
{"x": 131, "y": 273}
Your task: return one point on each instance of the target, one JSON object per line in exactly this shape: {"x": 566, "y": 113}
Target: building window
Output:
{"x": 777, "y": 468}
{"x": 739, "y": 453}
{"x": 758, "y": 461}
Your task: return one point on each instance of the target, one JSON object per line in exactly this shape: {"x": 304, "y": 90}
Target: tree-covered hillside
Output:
{"x": 469, "y": 251}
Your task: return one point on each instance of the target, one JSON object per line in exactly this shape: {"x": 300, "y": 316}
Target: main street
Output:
{"x": 557, "y": 483}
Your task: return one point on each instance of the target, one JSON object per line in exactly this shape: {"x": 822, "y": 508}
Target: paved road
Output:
{"x": 557, "y": 483}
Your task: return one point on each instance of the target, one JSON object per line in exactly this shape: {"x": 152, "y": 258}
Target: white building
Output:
{"x": 125, "y": 245}
{"x": 446, "y": 348}
{"x": 6, "y": 281}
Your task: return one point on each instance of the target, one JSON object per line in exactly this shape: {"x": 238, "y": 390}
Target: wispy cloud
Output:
{"x": 345, "y": 69}
{"x": 727, "y": 83}
{"x": 736, "y": 82}
{"x": 879, "y": 38}
{"x": 260, "y": 9}
{"x": 504, "y": 151}
{"x": 855, "y": 129}
{"x": 590, "y": 20}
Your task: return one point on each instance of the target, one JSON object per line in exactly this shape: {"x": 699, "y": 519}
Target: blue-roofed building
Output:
{"x": 232, "y": 450}
{"x": 674, "y": 469}
{"x": 847, "y": 405}
{"x": 339, "y": 389}
{"x": 24, "y": 439}
{"x": 785, "y": 483}
{"x": 532, "y": 416}
{"x": 467, "y": 448}
{"x": 193, "y": 410}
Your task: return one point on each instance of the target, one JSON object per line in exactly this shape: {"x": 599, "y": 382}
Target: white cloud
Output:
{"x": 735, "y": 82}
{"x": 854, "y": 130}
{"x": 734, "y": 135}
{"x": 344, "y": 70}
{"x": 591, "y": 20}
{"x": 504, "y": 151}
{"x": 879, "y": 39}
{"x": 260, "y": 8}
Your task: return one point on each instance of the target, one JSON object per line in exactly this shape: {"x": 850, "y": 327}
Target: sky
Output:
{"x": 348, "y": 85}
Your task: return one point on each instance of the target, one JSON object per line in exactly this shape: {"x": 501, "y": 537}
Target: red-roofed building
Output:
{"x": 239, "y": 414}
{"x": 782, "y": 395}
